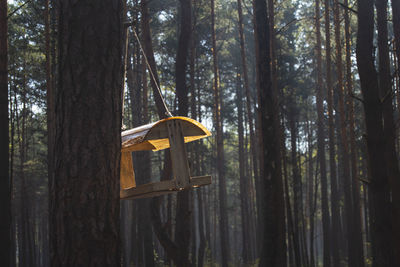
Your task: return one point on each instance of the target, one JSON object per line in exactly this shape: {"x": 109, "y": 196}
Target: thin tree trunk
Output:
{"x": 326, "y": 224}
{"x": 244, "y": 192}
{"x": 224, "y": 230}
{"x": 296, "y": 183}
{"x": 336, "y": 250}
{"x": 249, "y": 112}
{"x": 183, "y": 206}
{"x": 353, "y": 256}
{"x": 357, "y": 225}
{"x": 310, "y": 202}
{"x": 5, "y": 195}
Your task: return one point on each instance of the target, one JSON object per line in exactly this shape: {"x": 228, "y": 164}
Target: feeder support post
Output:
{"x": 180, "y": 166}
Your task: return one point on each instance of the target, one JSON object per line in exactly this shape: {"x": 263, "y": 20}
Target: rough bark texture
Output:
{"x": 183, "y": 206}
{"x": 380, "y": 219}
{"x": 84, "y": 199}
{"x": 326, "y": 224}
{"x": 5, "y": 195}
{"x": 273, "y": 245}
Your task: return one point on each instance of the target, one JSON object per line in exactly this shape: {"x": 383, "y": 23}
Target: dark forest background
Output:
{"x": 302, "y": 98}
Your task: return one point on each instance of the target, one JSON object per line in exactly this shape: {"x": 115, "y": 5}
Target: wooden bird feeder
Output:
{"x": 170, "y": 133}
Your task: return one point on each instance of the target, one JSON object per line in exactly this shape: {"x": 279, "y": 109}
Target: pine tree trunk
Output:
{"x": 353, "y": 254}
{"x": 183, "y": 206}
{"x": 84, "y": 199}
{"x": 274, "y": 236}
{"x": 335, "y": 219}
{"x": 223, "y": 224}
{"x": 5, "y": 195}
{"x": 392, "y": 164}
{"x": 244, "y": 193}
{"x": 381, "y": 225}
{"x": 253, "y": 146}
{"x": 326, "y": 224}
{"x": 358, "y": 229}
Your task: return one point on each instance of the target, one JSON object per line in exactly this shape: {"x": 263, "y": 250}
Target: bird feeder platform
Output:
{"x": 170, "y": 133}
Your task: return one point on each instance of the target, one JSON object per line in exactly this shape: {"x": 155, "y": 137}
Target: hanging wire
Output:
{"x": 168, "y": 113}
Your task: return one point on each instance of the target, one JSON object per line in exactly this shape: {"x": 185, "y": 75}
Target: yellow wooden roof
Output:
{"x": 154, "y": 136}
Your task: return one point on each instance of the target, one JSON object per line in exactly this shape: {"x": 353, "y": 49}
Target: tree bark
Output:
{"x": 244, "y": 192}
{"x": 326, "y": 224}
{"x": 358, "y": 238}
{"x": 84, "y": 199}
{"x": 335, "y": 219}
{"x": 389, "y": 128}
{"x": 183, "y": 206}
{"x": 5, "y": 195}
{"x": 253, "y": 146}
{"x": 274, "y": 237}
{"x": 224, "y": 230}
{"x": 353, "y": 253}
{"x": 381, "y": 224}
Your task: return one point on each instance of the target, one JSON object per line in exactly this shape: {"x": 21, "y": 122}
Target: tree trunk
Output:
{"x": 326, "y": 224}
{"x": 381, "y": 225}
{"x": 357, "y": 229}
{"x": 253, "y": 145}
{"x": 5, "y": 195}
{"x": 353, "y": 254}
{"x": 183, "y": 206}
{"x": 296, "y": 182}
{"x": 336, "y": 250}
{"x": 273, "y": 245}
{"x": 244, "y": 192}
{"x": 148, "y": 49}
{"x": 84, "y": 199}
{"x": 224, "y": 230}
{"x": 385, "y": 83}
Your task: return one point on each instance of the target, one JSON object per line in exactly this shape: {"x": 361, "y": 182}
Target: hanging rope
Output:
{"x": 168, "y": 113}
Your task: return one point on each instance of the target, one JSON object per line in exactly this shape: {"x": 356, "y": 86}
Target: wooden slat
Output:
{"x": 198, "y": 181}
{"x": 127, "y": 173}
{"x": 161, "y": 188}
{"x": 149, "y": 190}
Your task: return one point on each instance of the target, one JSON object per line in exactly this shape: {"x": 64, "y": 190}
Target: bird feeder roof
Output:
{"x": 154, "y": 136}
